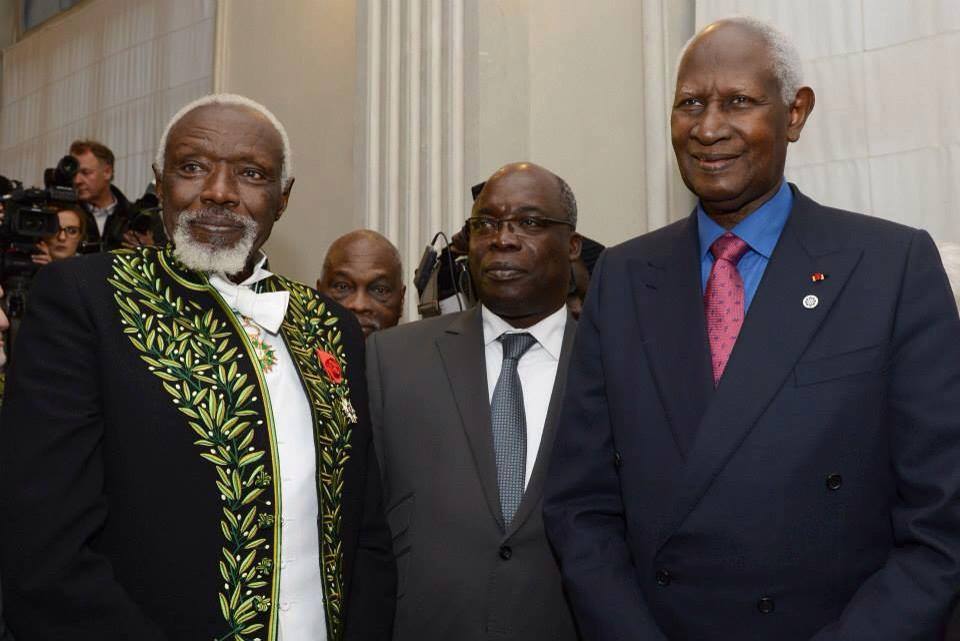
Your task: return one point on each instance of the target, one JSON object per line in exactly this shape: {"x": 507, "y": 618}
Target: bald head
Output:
{"x": 362, "y": 271}
{"x": 566, "y": 199}
{"x": 521, "y": 242}
{"x": 779, "y": 50}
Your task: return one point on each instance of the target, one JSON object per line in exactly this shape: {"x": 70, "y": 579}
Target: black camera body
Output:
{"x": 31, "y": 214}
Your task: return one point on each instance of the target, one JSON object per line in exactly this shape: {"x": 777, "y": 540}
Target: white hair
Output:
{"x": 286, "y": 169}
{"x": 950, "y": 255}
{"x": 784, "y": 56}
{"x": 216, "y": 258}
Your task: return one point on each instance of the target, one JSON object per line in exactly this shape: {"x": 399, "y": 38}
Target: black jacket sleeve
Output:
{"x": 371, "y": 599}
{"x": 52, "y": 505}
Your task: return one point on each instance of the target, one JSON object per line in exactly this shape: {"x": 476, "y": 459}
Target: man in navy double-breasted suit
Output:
{"x": 761, "y": 433}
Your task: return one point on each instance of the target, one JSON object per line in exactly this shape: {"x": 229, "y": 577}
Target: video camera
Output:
{"x": 30, "y": 214}
{"x": 443, "y": 280}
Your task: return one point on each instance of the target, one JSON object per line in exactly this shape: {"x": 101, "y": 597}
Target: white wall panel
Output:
{"x": 848, "y": 180}
{"x": 904, "y": 108}
{"x": 821, "y": 28}
{"x": 893, "y": 22}
{"x": 912, "y": 188}
{"x": 837, "y": 128}
{"x": 112, "y": 70}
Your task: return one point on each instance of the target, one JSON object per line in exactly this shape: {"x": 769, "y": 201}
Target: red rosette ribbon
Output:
{"x": 330, "y": 365}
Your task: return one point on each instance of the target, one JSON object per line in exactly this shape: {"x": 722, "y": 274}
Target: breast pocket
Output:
{"x": 398, "y": 518}
{"x": 845, "y": 365}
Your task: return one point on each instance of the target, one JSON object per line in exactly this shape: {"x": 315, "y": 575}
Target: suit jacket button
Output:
{"x": 766, "y": 605}
{"x": 663, "y": 578}
{"x": 505, "y": 552}
{"x": 834, "y": 481}
{"x": 617, "y": 459}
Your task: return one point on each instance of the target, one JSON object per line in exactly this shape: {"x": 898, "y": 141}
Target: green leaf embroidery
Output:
{"x": 185, "y": 348}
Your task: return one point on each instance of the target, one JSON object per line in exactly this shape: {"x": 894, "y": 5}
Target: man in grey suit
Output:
{"x": 464, "y": 408}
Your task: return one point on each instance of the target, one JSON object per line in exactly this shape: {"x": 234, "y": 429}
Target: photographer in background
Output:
{"x": 66, "y": 242}
{"x": 110, "y": 216}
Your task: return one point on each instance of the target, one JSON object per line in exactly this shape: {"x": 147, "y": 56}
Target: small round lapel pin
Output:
{"x": 810, "y": 301}
{"x": 816, "y": 277}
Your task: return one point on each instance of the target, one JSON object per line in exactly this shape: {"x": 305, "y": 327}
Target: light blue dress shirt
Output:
{"x": 761, "y": 231}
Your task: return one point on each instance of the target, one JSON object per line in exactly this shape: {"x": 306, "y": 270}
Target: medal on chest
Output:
{"x": 265, "y": 353}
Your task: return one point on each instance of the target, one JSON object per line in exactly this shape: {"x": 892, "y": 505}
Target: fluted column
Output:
{"x": 411, "y": 140}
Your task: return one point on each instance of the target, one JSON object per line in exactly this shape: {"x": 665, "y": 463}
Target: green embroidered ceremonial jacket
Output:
{"x": 189, "y": 475}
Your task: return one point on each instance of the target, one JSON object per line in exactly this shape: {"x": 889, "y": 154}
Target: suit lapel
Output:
{"x": 666, "y": 287}
{"x": 462, "y": 352}
{"x": 776, "y": 331}
{"x": 534, "y": 492}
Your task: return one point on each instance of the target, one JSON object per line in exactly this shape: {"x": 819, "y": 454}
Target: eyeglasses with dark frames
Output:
{"x": 71, "y": 231}
{"x": 525, "y": 225}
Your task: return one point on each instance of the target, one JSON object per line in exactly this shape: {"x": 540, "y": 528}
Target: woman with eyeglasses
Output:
{"x": 66, "y": 242}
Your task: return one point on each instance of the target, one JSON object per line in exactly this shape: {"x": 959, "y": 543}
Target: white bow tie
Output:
{"x": 266, "y": 310}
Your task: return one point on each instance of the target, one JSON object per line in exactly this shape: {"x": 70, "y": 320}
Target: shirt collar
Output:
{"x": 259, "y": 272}
{"x": 760, "y": 230}
{"x": 548, "y": 332}
{"x": 100, "y": 211}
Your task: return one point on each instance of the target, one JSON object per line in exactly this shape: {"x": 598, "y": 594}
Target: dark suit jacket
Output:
{"x": 117, "y": 225}
{"x": 460, "y": 575}
{"x": 814, "y": 494}
{"x": 138, "y": 474}
{"x": 113, "y": 229}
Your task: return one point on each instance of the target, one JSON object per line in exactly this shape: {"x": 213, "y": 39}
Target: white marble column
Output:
{"x": 410, "y": 147}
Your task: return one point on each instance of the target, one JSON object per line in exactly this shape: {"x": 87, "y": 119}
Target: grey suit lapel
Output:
{"x": 534, "y": 491}
{"x": 462, "y": 352}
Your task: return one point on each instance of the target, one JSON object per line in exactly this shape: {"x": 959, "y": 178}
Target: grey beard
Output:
{"x": 212, "y": 258}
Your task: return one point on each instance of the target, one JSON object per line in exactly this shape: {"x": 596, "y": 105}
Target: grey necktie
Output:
{"x": 510, "y": 425}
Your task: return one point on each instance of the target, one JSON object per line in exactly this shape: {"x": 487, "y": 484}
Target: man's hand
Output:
{"x": 42, "y": 257}
{"x": 133, "y": 239}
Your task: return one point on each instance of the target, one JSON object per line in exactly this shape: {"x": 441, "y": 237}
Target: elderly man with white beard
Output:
{"x": 185, "y": 446}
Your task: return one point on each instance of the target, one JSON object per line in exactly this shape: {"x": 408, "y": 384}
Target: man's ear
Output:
{"x": 284, "y": 198}
{"x": 576, "y": 244}
{"x": 799, "y": 112}
{"x": 158, "y": 178}
{"x": 108, "y": 171}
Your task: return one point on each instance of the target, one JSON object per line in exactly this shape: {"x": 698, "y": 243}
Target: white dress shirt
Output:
{"x": 537, "y": 369}
{"x": 300, "y": 601}
{"x": 100, "y": 214}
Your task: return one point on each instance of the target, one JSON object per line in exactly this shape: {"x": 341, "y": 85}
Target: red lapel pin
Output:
{"x": 816, "y": 277}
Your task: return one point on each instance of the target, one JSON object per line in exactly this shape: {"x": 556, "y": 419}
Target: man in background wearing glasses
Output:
{"x": 463, "y": 409}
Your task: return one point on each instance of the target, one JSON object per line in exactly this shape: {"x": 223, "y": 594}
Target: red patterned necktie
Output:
{"x": 723, "y": 300}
